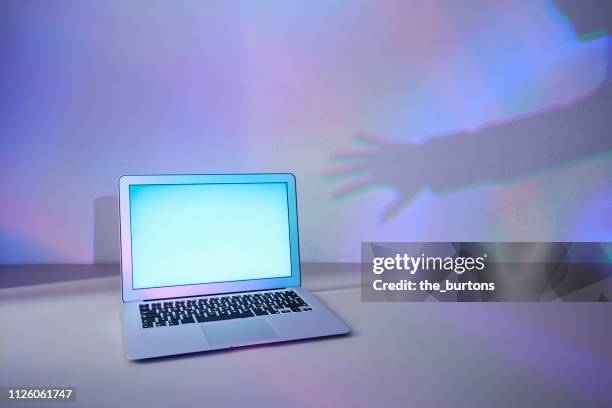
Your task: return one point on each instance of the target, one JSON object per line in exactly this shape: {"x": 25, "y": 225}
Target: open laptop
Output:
{"x": 211, "y": 262}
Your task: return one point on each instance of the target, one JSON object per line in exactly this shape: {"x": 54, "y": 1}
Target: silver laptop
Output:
{"x": 211, "y": 262}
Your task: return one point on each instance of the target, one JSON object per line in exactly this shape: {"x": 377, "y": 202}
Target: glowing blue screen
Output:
{"x": 184, "y": 234}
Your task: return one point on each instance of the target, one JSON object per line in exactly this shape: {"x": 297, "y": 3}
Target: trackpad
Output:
{"x": 238, "y": 332}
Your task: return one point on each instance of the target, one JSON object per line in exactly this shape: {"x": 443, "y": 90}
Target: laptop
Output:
{"x": 212, "y": 262}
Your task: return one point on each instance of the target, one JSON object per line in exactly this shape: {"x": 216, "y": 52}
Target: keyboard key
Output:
{"x": 246, "y": 313}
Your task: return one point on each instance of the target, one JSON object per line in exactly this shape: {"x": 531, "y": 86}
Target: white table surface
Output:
{"x": 68, "y": 333}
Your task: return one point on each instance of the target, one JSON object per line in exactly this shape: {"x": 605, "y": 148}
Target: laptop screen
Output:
{"x": 188, "y": 234}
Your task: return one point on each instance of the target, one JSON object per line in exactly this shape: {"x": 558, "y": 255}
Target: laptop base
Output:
{"x": 141, "y": 343}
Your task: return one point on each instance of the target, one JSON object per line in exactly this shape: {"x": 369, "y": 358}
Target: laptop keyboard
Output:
{"x": 210, "y": 309}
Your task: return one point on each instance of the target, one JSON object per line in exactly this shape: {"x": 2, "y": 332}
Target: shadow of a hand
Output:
{"x": 380, "y": 163}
